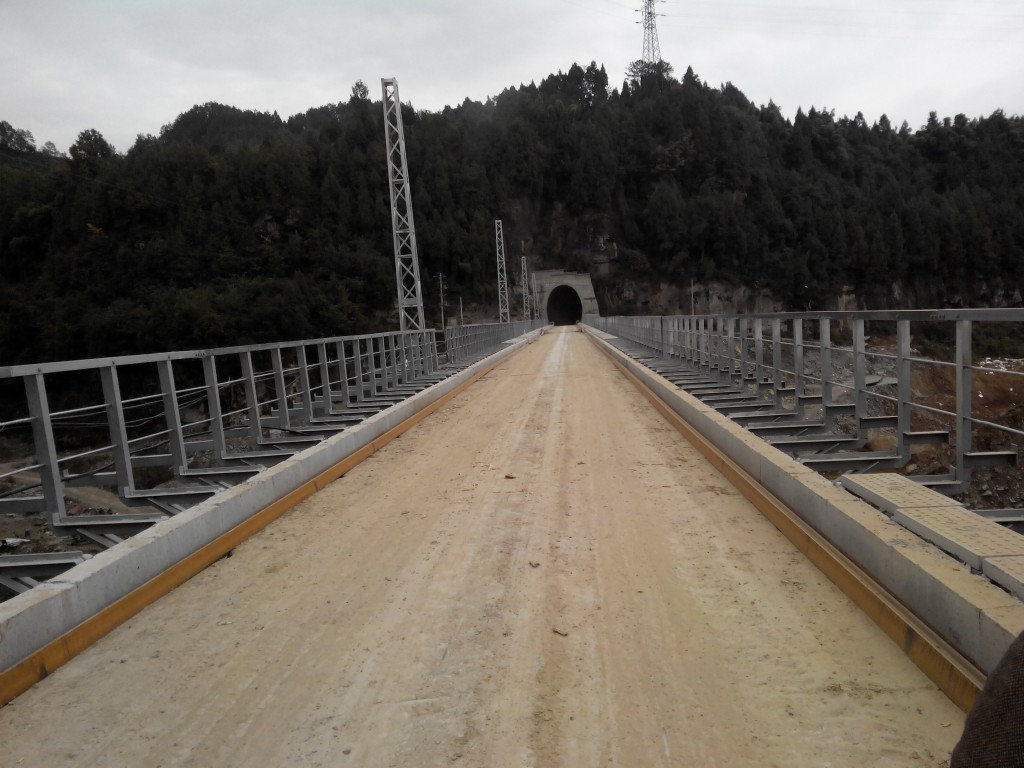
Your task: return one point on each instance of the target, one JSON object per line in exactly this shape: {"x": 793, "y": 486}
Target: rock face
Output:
{"x": 635, "y": 297}
{"x": 640, "y": 297}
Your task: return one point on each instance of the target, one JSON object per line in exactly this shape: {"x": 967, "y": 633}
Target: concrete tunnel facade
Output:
{"x": 565, "y": 297}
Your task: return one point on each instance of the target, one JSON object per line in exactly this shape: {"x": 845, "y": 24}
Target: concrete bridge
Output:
{"x": 580, "y": 541}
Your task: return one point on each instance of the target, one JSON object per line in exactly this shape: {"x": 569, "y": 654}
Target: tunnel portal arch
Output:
{"x": 564, "y": 307}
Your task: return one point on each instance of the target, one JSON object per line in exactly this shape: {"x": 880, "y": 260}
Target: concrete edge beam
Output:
{"x": 1006, "y": 570}
{"x": 890, "y": 492}
{"x": 966, "y": 610}
{"x": 36, "y": 618}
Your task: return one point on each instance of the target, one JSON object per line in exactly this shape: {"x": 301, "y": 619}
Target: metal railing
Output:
{"x": 466, "y": 342}
{"x": 858, "y": 391}
{"x": 167, "y": 430}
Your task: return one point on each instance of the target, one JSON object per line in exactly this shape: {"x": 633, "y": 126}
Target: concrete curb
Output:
{"x": 38, "y": 623}
{"x": 971, "y": 614}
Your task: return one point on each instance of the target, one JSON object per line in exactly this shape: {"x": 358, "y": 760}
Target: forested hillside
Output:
{"x": 234, "y": 226}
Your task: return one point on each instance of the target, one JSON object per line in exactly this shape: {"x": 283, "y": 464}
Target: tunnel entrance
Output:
{"x": 564, "y": 306}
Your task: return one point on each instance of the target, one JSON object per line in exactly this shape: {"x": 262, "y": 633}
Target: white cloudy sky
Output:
{"x": 126, "y": 67}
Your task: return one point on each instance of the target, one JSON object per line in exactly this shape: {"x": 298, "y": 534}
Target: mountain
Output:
{"x": 236, "y": 226}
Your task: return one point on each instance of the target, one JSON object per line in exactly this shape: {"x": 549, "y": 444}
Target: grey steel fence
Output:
{"x": 859, "y": 391}
{"x": 466, "y": 342}
{"x": 166, "y": 430}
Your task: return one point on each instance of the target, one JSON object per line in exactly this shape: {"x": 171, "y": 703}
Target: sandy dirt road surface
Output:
{"x": 543, "y": 573}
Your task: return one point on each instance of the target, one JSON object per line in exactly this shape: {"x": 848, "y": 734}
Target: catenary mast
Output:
{"x": 503, "y": 313}
{"x": 407, "y": 262}
{"x": 526, "y": 291}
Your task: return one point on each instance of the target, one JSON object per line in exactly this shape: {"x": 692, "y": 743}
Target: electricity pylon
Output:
{"x": 407, "y": 261}
{"x": 652, "y": 51}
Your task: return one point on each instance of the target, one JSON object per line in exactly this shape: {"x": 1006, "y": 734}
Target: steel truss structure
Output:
{"x": 527, "y": 315}
{"x": 845, "y": 406}
{"x": 499, "y": 239}
{"x": 652, "y": 51}
{"x": 407, "y": 262}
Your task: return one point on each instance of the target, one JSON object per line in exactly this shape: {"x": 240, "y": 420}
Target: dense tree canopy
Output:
{"x": 235, "y": 226}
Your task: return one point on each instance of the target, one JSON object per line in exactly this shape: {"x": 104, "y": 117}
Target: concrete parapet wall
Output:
{"x": 965, "y": 609}
{"x": 35, "y": 619}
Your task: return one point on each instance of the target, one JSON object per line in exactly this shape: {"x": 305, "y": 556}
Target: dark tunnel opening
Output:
{"x": 564, "y": 306}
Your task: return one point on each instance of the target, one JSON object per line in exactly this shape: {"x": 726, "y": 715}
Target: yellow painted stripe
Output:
{"x": 22, "y": 676}
{"x": 944, "y": 665}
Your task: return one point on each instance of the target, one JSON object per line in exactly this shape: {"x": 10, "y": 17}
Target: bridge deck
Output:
{"x": 542, "y": 573}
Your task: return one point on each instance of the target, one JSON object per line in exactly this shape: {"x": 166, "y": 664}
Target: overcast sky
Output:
{"x": 126, "y": 67}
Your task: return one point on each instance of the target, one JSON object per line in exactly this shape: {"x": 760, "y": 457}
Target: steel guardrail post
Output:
{"x": 903, "y": 388}
{"x": 391, "y": 358}
{"x": 702, "y": 342}
{"x": 860, "y": 393}
{"x": 729, "y": 338}
{"x": 964, "y": 392}
{"x": 759, "y": 353}
{"x": 357, "y": 368}
{"x": 434, "y": 360}
{"x": 706, "y": 347}
{"x": 392, "y": 341}
{"x": 825, "y": 356}
{"x": 45, "y": 447}
{"x": 742, "y": 366}
{"x": 118, "y": 431}
{"x": 304, "y": 384}
{"x": 777, "y": 378}
{"x": 252, "y": 400}
{"x": 172, "y": 416}
{"x": 403, "y": 357}
{"x": 420, "y": 353}
{"x": 213, "y": 409}
{"x": 451, "y": 343}
{"x": 711, "y": 337}
{"x": 692, "y": 341}
{"x": 720, "y": 352}
{"x": 417, "y": 354}
{"x": 346, "y": 393}
{"x": 799, "y": 383}
{"x": 371, "y": 365}
{"x": 280, "y": 388}
{"x": 326, "y": 388}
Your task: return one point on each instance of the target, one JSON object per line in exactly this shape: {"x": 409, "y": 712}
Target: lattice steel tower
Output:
{"x": 652, "y": 51}
{"x": 503, "y": 314}
{"x": 526, "y": 291}
{"x": 407, "y": 260}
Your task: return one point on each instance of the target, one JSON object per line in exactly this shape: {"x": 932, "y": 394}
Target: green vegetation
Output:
{"x": 234, "y": 226}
